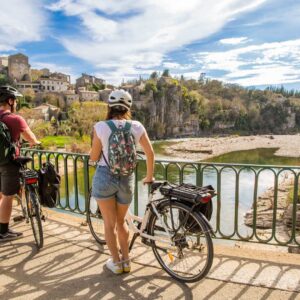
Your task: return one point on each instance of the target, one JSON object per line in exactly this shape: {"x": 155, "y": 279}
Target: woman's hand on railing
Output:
{"x": 148, "y": 180}
{"x": 93, "y": 163}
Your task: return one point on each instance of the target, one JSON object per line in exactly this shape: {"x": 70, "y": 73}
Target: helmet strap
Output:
{"x": 11, "y": 105}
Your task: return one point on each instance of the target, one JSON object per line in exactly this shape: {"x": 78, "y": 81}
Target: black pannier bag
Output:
{"x": 49, "y": 181}
{"x": 191, "y": 195}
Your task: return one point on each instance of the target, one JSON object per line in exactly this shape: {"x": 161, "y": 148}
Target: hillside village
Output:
{"x": 169, "y": 107}
{"x": 38, "y": 84}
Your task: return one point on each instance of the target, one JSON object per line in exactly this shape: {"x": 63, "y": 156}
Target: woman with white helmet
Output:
{"x": 112, "y": 186}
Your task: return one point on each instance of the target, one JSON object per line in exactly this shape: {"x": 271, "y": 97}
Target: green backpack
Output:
{"x": 122, "y": 156}
{"x": 7, "y": 147}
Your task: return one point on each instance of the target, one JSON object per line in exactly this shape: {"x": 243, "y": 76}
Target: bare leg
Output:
{"x": 122, "y": 230}
{"x": 109, "y": 214}
{"x": 5, "y": 208}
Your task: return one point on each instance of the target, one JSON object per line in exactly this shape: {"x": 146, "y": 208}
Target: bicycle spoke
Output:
{"x": 34, "y": 214}
{"x": 188, "y": 259}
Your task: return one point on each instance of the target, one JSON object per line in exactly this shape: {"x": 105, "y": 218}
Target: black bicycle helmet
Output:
{"x": 8, "y": 92}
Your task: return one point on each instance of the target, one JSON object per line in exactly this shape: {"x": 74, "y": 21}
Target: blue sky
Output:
{"x": 251, "y": 43}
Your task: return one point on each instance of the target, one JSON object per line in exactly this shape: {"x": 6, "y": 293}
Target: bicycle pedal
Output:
{"x": 43, "y": 218}
{"x": 18, "y": 218}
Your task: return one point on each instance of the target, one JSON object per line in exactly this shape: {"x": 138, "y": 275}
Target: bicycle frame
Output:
{"x": 130, "y": 218}
{"x": 21, "y": 200}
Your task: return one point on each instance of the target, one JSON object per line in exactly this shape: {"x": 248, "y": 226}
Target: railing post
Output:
{"x": 86, "y": 180}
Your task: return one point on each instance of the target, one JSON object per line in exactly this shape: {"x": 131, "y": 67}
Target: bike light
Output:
{"x": 205, "y": 198}
{"x": 31, "y": 180}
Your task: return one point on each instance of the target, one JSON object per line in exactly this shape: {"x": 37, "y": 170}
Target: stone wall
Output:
{"x": 18, "y": 67}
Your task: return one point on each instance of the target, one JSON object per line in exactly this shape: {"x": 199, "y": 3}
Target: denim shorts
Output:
{"x": 106, "y": 186}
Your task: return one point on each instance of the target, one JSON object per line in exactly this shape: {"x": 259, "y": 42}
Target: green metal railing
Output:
{"x": 234, "y": 183}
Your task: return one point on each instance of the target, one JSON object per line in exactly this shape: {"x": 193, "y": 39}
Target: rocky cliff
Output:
{"x": 162, "y": 107}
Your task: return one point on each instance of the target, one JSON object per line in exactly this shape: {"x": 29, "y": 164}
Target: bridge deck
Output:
{"x": 72, "y": 266}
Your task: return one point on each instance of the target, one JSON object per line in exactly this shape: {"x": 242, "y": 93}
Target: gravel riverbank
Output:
{"x": 203, "y": 148}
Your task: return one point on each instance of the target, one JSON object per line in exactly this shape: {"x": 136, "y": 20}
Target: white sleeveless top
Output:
{"x": 103, "y": 132}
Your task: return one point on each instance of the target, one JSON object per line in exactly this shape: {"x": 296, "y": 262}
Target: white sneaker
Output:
{"x": 116, "y": 268}
{"x": 126, "y": 266}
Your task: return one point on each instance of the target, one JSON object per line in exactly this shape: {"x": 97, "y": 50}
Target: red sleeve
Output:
{"x": 22, "y": 124}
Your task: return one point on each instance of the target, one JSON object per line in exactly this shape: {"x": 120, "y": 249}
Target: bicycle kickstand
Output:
{"x": 135, "y": 235}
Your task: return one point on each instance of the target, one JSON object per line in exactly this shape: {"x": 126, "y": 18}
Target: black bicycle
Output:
{"x": 175, "y": 226}
{"x": 28, "y": 198}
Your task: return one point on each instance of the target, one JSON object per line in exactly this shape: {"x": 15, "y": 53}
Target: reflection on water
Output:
{"x": 228, "y": 201}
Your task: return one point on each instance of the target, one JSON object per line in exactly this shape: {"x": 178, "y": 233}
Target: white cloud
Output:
{"x": 175, "y": 65}
{"x": 139, "y": 34}
{"x": 20, "y": 21}
{"x": 234, "y": 41}
{"x": 268, "y": 63}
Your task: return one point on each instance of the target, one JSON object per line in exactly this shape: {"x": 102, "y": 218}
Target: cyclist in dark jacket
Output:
{"x": 9, "y": 172}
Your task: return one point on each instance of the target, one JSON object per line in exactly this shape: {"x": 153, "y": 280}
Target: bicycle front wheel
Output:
{"x": 34, "y": 214}
{"x": 190, "y": 257}
{"x": 95, "y": 221}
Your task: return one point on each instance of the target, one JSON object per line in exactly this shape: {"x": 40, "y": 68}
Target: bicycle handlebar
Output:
{"x": 36, "y": 146}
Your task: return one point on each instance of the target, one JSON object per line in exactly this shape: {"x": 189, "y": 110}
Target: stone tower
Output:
{"x": 18, "y": 67}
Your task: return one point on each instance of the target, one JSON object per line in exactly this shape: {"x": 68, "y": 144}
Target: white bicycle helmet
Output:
{"x": 120, "y": 98}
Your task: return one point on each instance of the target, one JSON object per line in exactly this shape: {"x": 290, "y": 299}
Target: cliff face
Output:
{"x": 163, "y": 110}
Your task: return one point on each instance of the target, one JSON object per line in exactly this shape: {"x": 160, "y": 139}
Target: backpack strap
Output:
{"x": 127, "y": 126}
{"x": 5, "y": 114}
{"x": 111, "y": 125}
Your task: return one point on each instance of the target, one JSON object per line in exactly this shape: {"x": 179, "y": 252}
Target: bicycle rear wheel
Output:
{"x": 191, "y": 256}
{"x": 95, "y": 221}
{"x": 34, "y": 214}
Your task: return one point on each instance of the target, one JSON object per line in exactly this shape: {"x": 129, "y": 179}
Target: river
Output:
{"x": 227, "y": 187}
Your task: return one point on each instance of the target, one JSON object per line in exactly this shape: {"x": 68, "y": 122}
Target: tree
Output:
{"x": 29, "y": 95}
{"x": 159, "y": 129}
{"x": 154, "y": 75}
{"x": 166, "y": 73}
{"x": 83, "y": 116}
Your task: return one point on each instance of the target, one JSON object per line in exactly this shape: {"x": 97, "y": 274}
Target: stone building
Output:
{"x": 47, "y": 111}
{"x": 60, "y": 76}
{"x": 45, "y": 72}
{"x": 3, "y": 64}
{"x": 85, "y": 95}
{"x": 23, "y": 85}
{"x": 53, "y": 84}
{"x": 103, "y": 94}
{"x": 85, "y": 80}
{"x": 70, "y": 97}
{"x": 18, "y": 67}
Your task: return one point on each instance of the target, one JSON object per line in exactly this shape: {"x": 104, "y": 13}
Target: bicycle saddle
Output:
{"x": 23, "y": 160}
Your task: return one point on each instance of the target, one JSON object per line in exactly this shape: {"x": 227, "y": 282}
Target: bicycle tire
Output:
{"x": 95, "y": 221}
{"x": 34, "y": 214}
{"x": 155, "y": 228}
